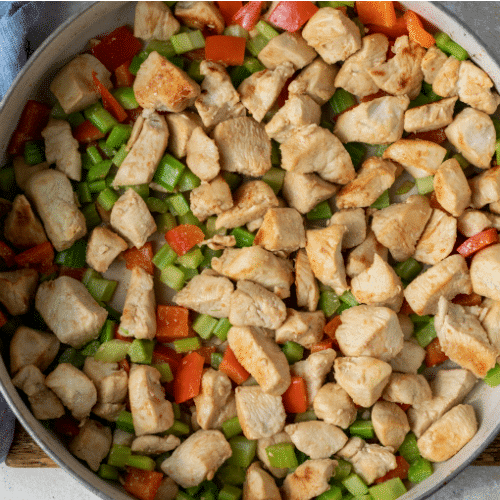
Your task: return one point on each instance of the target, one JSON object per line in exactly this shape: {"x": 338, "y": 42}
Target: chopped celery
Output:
{"x": 92, "y": 217}
{"x": 425, "y": 333}
{"x": 99, "y": 171}
{"x": 190, "y": 218}
{"x": 238, "y": 74}
{"x": 380, "y": 149}
{"x": 447, "y": 45}
{"x": 165, "y": 222}
{"x": 243, "y": 451}
{"x": 188, "y": 181}
{"x": 120, "y": 156}
{"x": 100, "y": 118}
{"x": 461, "y": 160}
{"x": 266, "y": 30}
{"x": 274, "y": 178}
{"x": 256, "y": 44}
{"x": 156, "y": 205}
{"x": 101, "y": 289}
{"x": 425, "y": 184}
{"x": 229, "y": 474}
{"x": 141, "y": 189}
{"x": 233, "y": 179}
{"x": 320, "y": 211}
{"x": 188, "y": 273}
{"x": 419, "y": 470}
{"x": 165, "y": 372}
{"x": 72, "y": 356}
{"x": 362, "y": 428}
{"x": 107, "y": 198}
{"x": 73, "y": 256}
{"x": 282, "y": 455}
{"x": 107, "y": 331}
{"x": 125, "y": 422}
{"x": 408, "y": 270}
{"x": 58, "y": 112}
{"x": 342, "y": 101}
{"x": 409, "y": 448}
{"x": 113, "y": 351}
{"x": 91, "y": 348}
{"x": 164, "y": 257}
{"x": 329, "y": 302}
{"x": 178, "y": 429}
{"x": 229, "y": 492}
{"x": 118, "y": 455}
{"x": 493, "y": 376}
{"x": 244, "y": 238}
{"x": 405, "y": 187}
{"x": 119, "y": 135}
{"x": 141, "y": 462}
{"x": 141, "y": 351}
{"x": 355, "y": 485}
{"x": 178, "y": 204}
{"x": 34, "y": 153}
{"x": 208, "y": 255}
{"x": 137, "y": 61}
{"x": 194, "y": 71}
{"x": 383, "y": 201}
{"x": 231, "y": 427}
{"x": 222, "y": 328}
{"x": 168, "y": 172}
{"x": 253, "y": 64}
{"x": 388, "y": 490}
{"x": 357, "y": 151}
{"x": 126, "y": 97}
{"x": 307, "y": 416}
{"x": 216, "y": 360}
{"x": 293, "y": 352}
{"x": 89, "y": 275}
{"x": 163, "y": 47}
{"x": 84, "y": 194}
{"x": 191, "y": 259}
{"x": 204, "y": 324}
{"x": 334, "y": 493}
{"x": 342, "y": 470}
{"x": 349, "y": 299}
{"x": 185, "y": 42}
{"x": 108, "y": 472}
{"x": 187, "y": 344}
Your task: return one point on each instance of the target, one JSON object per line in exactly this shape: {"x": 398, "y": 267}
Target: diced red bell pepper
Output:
{"x": 3, "y": 318}
{"x": 228, "y": 10}
{"x": 403, "y": 406}
{"x": 172, "y": 322}
{"x": 416, "y": 31}
{"x": 291, "y": 16}
{"x": 109, "y": 102}
{"x": 206, "y": 351}
{"x": 143, "y": 484}
{"x": 477, "y": 242}
{"x": 86, "y": 132}
{"x": 438, "y": 136}
{"x": 434, "y": 355}
{"x": 434, "y": 203}
{"x": 132, "y": 115}
{"x": 33, "y": 120}
{"x": 380, "y": 13}
{"x": 187, "y": 380}
{"x": 140, "y": 257}
{"x": 248, "y": 15}
{"x": 164, "y": 354}
{"x": 295, "y": 397}
{"x": 184, "y": 237}
{"x": 124, "y": 364}
{"x": 124, "y": 78}
{"x": 406, "y": 308}
{"x": 399, "y": 29}
{"x": 40, "y": 257}
{"x": 117, "y": 48}
{"x": 322, "y": 345}
{"x": 72, "y": 272}
{"x": 283, "y": 95}
{"x": 331, "y": 328}
{"x": 67, "y": 426}
{"x": 371, "y": 97}
{"x": 401, "y": 471}
{"x": 224, "y": 49}
{"x": 232, "y": 367}
{"x": 7, "y": 254}
{"x": 471, "y": 299}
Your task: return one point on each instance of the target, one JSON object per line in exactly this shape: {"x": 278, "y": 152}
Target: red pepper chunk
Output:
{"x": 140, "y": 257}
{"x": 164, "y": 354}
{"x": 322, "y": 345}
{"x": 291, "y": 16}
{"x": 248, "y": 15}
{"x": 143, "y": 484}
{"x": 228, "y": 10}
{"x": 401, "y": 471}
{"x": 124, "y": 78}
{"x": 187, "y": 380}
{"x": 379, "y": 13}
{"x": 229, "y": 50}
{"x": 478, "y": 242}
{"x": 172, "y": 322}
{"x": 109, "y": 102}
{"x": 86, "y": 132}
{"x": 7, "y": 254}
{"x": 184, "y": 237}
{"x": 232, "y": 367}
{"x": 434, "y": 355}
{"x": 295, "y": 397}
{"x": 416, "y": 30}
{"x": 40, "y": 257}
{"x": 399, "y": 29}
{"x": 438, "y": 136}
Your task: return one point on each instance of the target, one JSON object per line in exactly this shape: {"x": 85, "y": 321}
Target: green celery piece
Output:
{"x": 165, "y": 222}
{"x": 409, "y": 448}
{"x": 274, "y": 178}
{"x": 125, "y": 422}
{"x": 191, "y": 259}
{"x": 165, "y": 372}
{"x": 282, "y": 455}
{"x": 178, "y": 429}
{"x": 334, "y": 493}
{"x": 141, "y": 351}
{"x": 72, "y": 356}
{"x": 74, "y": 257}
{"x": 113, "y": 351}
{"x": 107, "y": 331}
{"x": 419, "y": 470}
{"x": 231, "y": 427}
{"x": 173, "y": 277}
{"x": 320, "y": 211}
{"x": 108, "y": 472}
{"x": 222, "y": 328}
{"x": 91, "y": 348}
{"x": 305, "y": 417}
{"x": 493, "y": 376}
{"x": 293, "y": 352}
{"x": 341, "y": 101}
{"x": 141, "y": 462}
{"x": 409, "y": 269}
{"x": 187, "y": 344}
{"x": 388, "y": 490}
{"x": 342, "y": 470}
{"x": 204, "y": 324}
{"x": 383, "y": 201}
{"x": 118, "y": 455}
{"x": 164, "y": 257}
{"x": 243, "y": 451}
{"x": 362, "y": 428}
{"x": 329, "y": 302}
{"x": 425, "y": 333}
{"x": 244, "y": 238}
{"x": 355, "y": 485}
{"x": 230, "y": 474}
{"x": 216, "y": 360}
{"x": 230, "y": 492}
{"x": 349, "y": 299}
{"x": 357, "y": 152}
{"x": 425, "y": 185}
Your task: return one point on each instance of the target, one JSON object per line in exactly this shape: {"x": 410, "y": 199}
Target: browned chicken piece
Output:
{"x": 17, "y": 289}
{"x": 200, "y": 16}
{"x": 23, "y": 171}
{"x": 211, "y": 198}
{"x": 154, "y": 445}
{"x": 485, "y": 187}
{"x": 92, "y": 444}
{"x": 409, "y": 359}
{"x": 430, "y": 116}
{"x": 180, "y": 127}
{"x": 306, "y": 287}
{"x": 154, "y": 20}
{"x": 304, "y": 328}
{"x": 361, "y": 258}
{"x": 259, "y": 485}
{"x": 354, "y": 220}
{"x": 432, "y": 62}
{"x": 445, "y": 81}
{"x": 472, "y": 222}
{"x": 103, "y": 247}
{"x": 333, "y": 405}
{"x": 309, "y": 479}
{"x": 111, "y": 381}
{"x": 451, "y": 187}
{"x": 390, "y": 423}
{"x": 485, "y": 272}
{"x": 287, "y": 47}
{"x": 202, "y": 155}
{"x": 407, "y": 388}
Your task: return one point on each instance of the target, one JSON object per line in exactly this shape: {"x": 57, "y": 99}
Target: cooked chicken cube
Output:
{"x": 430, "y": 116}
{"x": 304, "y": 191}
{"x": 23, "y": 171}
{"x": 473, "y": 134}
{"x": 244, "y": 146}
{"x": 445, "y": 81}
{"x": 314, "y": 370}
{"x": 253, "y": 305}
{"x": 354, "y": 220}
{"x": 309, "y": 479}
{"x": 315, "y": 149}
{"x": 449, "y": 434}
{"x": 155, "y": 445}
{"x": 316, "y": 80}
{"x": 211, "y": 198}
{"x": 219, "y": 242}
{"x": 334, "y": 36}
{"x": 409, "y": 359}
{"x": 54, "y": 200}
{"x": 390, "y": 423}
{"x": 154, "y": 20}
{"x": 485, "y": 187}
{"x": 369, "y": 331}
{"x": 362, "y": 257}
{"x": 260, "y": 90}
{"x": 92, "y": 443}
{"x": 259, "y": 485}
{"x": 399, "y": 226}
{"x": 451, "y": 187}
{"x": 141, "y": 162}
{"x": 306, "y": 287}
{"x": 446, "y": 279}
{"x": 197, "y": 458}
{"x": 379, "y": 121}
{"x": 333, "y": 405}
{"x": 76, "y": 391}
{"x": 263, "y": 443}
{"x": 305, "y": 328}
{"x": 17, "y": 289}
{"x": 130, "y": 217}
{"x": 323, "y": 249}
{"x": 378, "y": 285}
{"x": 370, "y": 461}
{"x": 62, "y": 149}
{"x": 472, "y": 222}
{"x": 70, "y": 311}
{"x": 260, "y": 414}
{"x": 74, "y": 87}
{"x": 161, "y": 85}
{"x": 287, "y": 47}
{"x": 407, "y": 388}
{"x": 202, "y": 155}
{"x": 181, "y": 126}
{"x": 103, "y": 247}
{"x": 298, "y": 111}
{"x": 32, "y": 347}
{"x": 257, "y": 265}
{"x": 490, "y": 320}
{"x": 485, "y": 272}
{"x": 262, "y": 358}
{"x": 432, "y": 62}
{"x": 363, "y": 378}
{"x": 110, "y": 381}
{"x": 207, "y": 293}
{"x": 474, "y": 88}
{"x": 373, "y": 178}
{"x": 200, "y": 15}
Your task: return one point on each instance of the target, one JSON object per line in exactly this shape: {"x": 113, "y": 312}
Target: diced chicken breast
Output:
{"x": 449, "y": 434}
{"x": 130, "y": 217}
{"x": 306, "y": 287}
{"x": 54, "y": 200}
{"x": 323, "y": 249}
{"x": 154, "y": 20}
{"x": 143, "y": 158}
{"x": 390, "y": 423}
{"x": 304, "y": 191}
{"x": 369, "y": 331}
{"x": 260, "y": 414}
{"x": 309, "y": 479}
{"x": 197, "y": 458}
{"x": 354, "y": 220}
{"x": 430, "y": 116}
{"x": 432, "y": 62}
{"x": 202, "y": 155}
{"x": 370, "y": 461}
{"x": 314, "y": 370}
{"x": 259, "y": 91}
{"x": 446, "y": 279}
{"x": 379, "y": 121}
{"x": 315, "y": 149}
{"x": 181, "y": 126}
{"x": 407, "y": 388}
{"x": 74, "y": 87}
{"x": 211, "y": 198}
{"x": 259, "y": 485}
{"x": 257, "y": 265}
{"x": 92, "y": 443}
{"x": 103, "y": 247}
{"x": 399, "y": 226}
{"x": 334, "y": 36}
{"x": 473, "y": 134}
{"x": 409, "y": 359}
{"x": 333, "y": 405}
{"x": 62, "y": 149}
{"x": 253, "y": 305}
{"x": 17, "y": 289}
{"x": 244, "y": 146}
{"x": 23, "y": 171}
{"x": 451, "y": 187}
{"x": 363, "y": 378}
{"x": 298, "y": 111}
{"x": 445, "y": 81}
{"x": 472, "y": 222}
{"x": 262, "y": 358}
{"x": 485, "y": 187}
{"x": 474, "y": 88}
{"x": 463, "y": 339}
{"x": 490, "y": 320}
{"x": 161, "y": 85}
{"x": 263, "y": 443}
{"x": 155, "y": 445}
{"x": 305, "y": 328}
{"x": 70, "y": 311}
{"x": 287, "y": 47}
{"x": 354, "y": 75}
{"x": 76, "y": 391}
{"x": 485, "y": 272}
{"x": 362, "y": 257}
{"x": 219, "y": 242}
{"x": 200, "y": 15}
{"x": 109, "y": 379}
